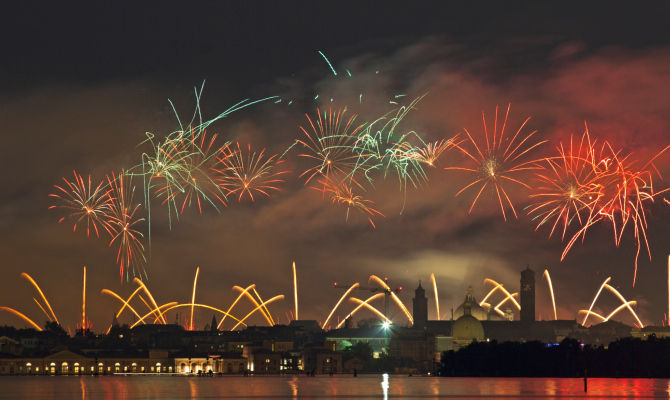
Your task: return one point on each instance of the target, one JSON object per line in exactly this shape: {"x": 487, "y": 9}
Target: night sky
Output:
{"x": 80, "y": 86}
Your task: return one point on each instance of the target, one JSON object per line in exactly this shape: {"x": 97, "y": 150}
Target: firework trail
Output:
{"x": 324, "y": 325}
{"x": 355, "y": 310}
{"x": 396, "y": 299}
{"x": 328, "y": 145}
{"x": 551, "y": 291}
{"x": 500, "y": 162}
{"x": 624, "y": 304}
{"x": 437, "y": 299}
{"x": 195, "y": 283}
{"x": 295, "y": 290}
{"x": 124, "y": 224}
{"x": 85, "y": 202}
{"x": 245, "y": 173}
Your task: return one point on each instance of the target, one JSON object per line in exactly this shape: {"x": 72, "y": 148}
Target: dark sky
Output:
{"x": 81, "y": 84}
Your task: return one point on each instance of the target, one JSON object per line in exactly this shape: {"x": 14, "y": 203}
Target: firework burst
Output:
{"x": 85, "y": 202}
{"x": 328, "y": 145}
{"x": 428, "y": 153}
{"x": 500, "y": 162}
{"x": 382, "y": 148}
{"x": 627, "y": 189}
{"x": 567, "y": 188}
{"x": 245, "y": 173}
{"x": 124, "y": 221}
{"x": 343, "y": 195}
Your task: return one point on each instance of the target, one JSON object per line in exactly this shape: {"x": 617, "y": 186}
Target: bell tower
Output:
{"x": 420, "y": 308}
{"x": 527, "y": 290}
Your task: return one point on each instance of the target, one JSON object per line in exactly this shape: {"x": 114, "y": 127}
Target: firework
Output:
{"x": 383, "y": 149}
{"x": 501, "y": 162}
{"x": 85, "y": 202}
{"x": 342, "y": 194}
{"x": 328, "y": 145}
{"x": 247, "y": 174}
{"x": 124, "y": 224}
{"x": 355, "y": 310}
{"x": 437, "y": 299}
{"x": 197, "y": 183}
{"x": 568, "y": 188}
{"x": 551, "y": 291}
{"x": 195, "y": 283}
{"x": 324, "y": 324}
{"x": 626, "y": 190}
{"x": 624, "y": 304}
{"x": 428, "y": 153}
{"x": 395, "y": 298}
{"x": 295, "y": 291}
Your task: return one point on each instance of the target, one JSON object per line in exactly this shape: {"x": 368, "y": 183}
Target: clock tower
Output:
{"x": 527, "y": 290}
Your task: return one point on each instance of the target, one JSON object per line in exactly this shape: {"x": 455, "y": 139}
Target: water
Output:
{"x": 294, "y": 387}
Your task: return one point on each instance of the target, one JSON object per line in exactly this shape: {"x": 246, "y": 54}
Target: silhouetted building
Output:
{"x": 420, "y": 308}
{"x": 527, "y": 289}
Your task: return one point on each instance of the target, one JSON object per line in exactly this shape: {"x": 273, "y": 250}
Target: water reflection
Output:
{"x": 325, "y": 387}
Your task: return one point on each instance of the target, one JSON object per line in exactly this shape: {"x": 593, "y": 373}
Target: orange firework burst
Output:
{"x": 245, "y": 174}
{"x": 328, "y": 145}
{"x": 618, "y": 193}
{"x": 124, "y": 221}
{"x": 500, "y": 162}
{"x": 568, "y": 186}
{"x": 342, "y": 194}
{"x": 84, "y": 201}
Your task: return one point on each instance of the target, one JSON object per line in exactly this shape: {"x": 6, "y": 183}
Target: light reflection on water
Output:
{"x": 295, "y": 387}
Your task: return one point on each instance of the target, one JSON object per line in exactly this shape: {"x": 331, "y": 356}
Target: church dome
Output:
{"x": 468, "y": 327}
{"x": 470, "y": 306}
